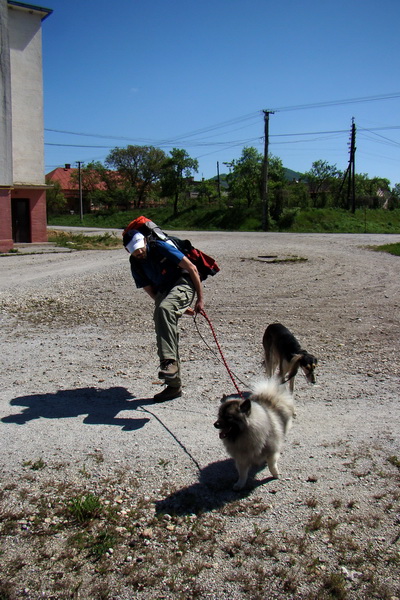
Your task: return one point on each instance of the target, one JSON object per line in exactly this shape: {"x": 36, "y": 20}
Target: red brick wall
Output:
{"x": 38, "y": 215}
{"x": 6, "y": 242}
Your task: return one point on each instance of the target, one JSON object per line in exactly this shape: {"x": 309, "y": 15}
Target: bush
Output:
{"x": 287, "y": 218}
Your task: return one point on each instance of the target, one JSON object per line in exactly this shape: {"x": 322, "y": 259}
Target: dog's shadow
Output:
{"x": 100, "y": 405}
{"x": 213, "y": 491}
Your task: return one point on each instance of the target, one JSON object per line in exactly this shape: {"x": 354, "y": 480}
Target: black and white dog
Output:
{"x": 253, "y": 429}
{"x": 283, "y": 353}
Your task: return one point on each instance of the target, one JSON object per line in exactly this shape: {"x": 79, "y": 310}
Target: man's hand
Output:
{"x": 199, "y": 306}
{"x": 194, "y": 276}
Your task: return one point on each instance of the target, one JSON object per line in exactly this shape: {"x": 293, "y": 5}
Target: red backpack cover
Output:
{"x": 206, "y": 265}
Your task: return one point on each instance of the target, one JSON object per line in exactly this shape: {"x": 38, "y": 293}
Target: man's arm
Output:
{"x": 194, "y": 276}
{"x": 150, "y": 290}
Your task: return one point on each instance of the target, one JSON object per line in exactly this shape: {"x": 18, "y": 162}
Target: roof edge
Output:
{"x": 46, "y": 11}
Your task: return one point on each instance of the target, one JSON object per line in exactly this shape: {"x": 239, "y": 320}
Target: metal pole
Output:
{"x": 353, "y": 182}
{"x": 80, "y": 190}
{"x": 219, "y": 182}
{"x": 265, "y": 206}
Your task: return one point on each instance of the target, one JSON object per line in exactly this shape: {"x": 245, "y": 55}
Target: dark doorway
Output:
{"x": 21, "y": 220}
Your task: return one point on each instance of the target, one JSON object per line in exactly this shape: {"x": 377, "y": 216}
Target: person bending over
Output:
{"x": 172, "y": 281}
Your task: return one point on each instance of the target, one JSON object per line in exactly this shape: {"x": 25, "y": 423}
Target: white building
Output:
{"x": 22, "y": 182}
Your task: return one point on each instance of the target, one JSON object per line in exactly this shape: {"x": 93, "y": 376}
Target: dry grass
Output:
{"x": 103, "y": 539}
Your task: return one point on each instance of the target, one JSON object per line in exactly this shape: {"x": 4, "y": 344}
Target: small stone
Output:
{"x": 147, "y": 533}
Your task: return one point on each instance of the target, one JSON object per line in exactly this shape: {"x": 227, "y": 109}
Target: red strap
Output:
{"x": 203, "y": 312}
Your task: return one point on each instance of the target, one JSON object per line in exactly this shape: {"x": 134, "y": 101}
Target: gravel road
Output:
{"x": 79, "y": 371}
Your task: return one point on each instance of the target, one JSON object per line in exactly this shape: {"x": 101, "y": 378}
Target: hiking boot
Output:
{"x": 168, "y": 369}
{"x": 169, "y": 393}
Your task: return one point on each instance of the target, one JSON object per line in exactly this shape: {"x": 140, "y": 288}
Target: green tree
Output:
{"x": 102, "y": 188}
{"x": 395, "y": 198}
{"x": 55, "y": 199}
{"x": 176, "y": 172}
{"x": 376, "y": 190}
{"x": 277, "y": 187}
{"x": 208, "y": 190}
{"x": 139, "y": 167}
{"x": 276, "y": 171}
{"x": 323, "y": 180}
{"x": 244, "y": 180}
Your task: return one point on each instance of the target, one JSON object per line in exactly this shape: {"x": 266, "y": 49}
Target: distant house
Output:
{"x": 22, "y": 183}
{"x": 68, "y": 181}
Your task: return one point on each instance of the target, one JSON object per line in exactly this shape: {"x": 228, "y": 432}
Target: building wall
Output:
{"x": 6, "y": 241}
{"x": 25, "y": 39}
{"x": 22, "y": 178}
{"x": 6, "y": 176}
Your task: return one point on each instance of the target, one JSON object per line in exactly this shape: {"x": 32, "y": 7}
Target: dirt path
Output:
{"x": 78, "y": 374}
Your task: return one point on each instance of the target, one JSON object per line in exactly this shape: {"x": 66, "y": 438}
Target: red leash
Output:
{"x": 203, "y": 312}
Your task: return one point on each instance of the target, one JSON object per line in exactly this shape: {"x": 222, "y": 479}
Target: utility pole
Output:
{"x": 265, "y": 204}
{"x": 79, "y": 163}
{"x": 350, "y": 173}
{"x": 219, "y": 182}
{"x": 351, "y": 189}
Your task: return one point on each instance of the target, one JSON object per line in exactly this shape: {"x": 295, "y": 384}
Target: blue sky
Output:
{"x": 197, "y": 74}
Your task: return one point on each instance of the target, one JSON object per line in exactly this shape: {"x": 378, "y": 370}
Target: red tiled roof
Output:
{"x": 63, "y": 176}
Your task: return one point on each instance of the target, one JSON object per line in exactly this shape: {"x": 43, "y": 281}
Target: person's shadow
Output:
{"x": 100, "y": 406}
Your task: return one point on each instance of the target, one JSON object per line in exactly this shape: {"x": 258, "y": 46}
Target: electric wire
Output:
{"x": 254, "y": 115}
{"x": 226, "y": 145}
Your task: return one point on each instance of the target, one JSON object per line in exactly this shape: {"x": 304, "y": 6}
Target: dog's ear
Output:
{"x": 224, "y": 397}
{"x": 245, "y": 406}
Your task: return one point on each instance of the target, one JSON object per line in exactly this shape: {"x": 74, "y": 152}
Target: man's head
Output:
{"x": 137, "y": 245}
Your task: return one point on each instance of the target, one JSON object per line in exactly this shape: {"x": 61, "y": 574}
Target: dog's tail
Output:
{"x": 271, "y": 393}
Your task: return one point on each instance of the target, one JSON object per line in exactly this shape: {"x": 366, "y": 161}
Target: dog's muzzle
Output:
{"x": 224, "y": 432}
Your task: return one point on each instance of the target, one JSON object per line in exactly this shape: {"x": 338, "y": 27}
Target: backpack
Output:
{"x": 205, "y": 264}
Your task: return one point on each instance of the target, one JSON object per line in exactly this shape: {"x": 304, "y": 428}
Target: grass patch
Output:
{"x": 36, "y": 465}
{"x": 109, "y": 541}
{"x": 81, "y": 241}
{"x": 395, "y": 461}
{"x": 389, "y": 248}
{"x": 84, "y": 508}
{"x": 100, "y": 544}
{"x": 239, "y": 218}
{"x": 334, "y": 586}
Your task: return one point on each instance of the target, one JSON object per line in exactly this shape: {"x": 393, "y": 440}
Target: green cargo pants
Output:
{"x": 169, "y": 307}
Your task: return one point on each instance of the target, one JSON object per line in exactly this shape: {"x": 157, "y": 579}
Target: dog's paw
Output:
{"x": 239, "y": 485}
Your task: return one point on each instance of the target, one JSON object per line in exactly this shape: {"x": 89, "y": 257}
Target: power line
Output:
{"x": 231, "y": 143}
{"x": 236, "y": 120}
{"x": 75, "y": 145}
{"x": 339, "y": 102}
{"x": 386, "y": 141}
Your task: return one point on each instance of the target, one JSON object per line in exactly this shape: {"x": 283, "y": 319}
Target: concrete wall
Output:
{"x": 6, "y": 175}
{"x": 25, "y": 39}
{"x": 21, "y": 124}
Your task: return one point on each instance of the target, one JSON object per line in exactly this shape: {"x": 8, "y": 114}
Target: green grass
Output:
{"x": 84, "y": 508}
{"x": 390, "y": 248}
{"x": 239, "y": 218}
{"x": 80, "y": 241}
